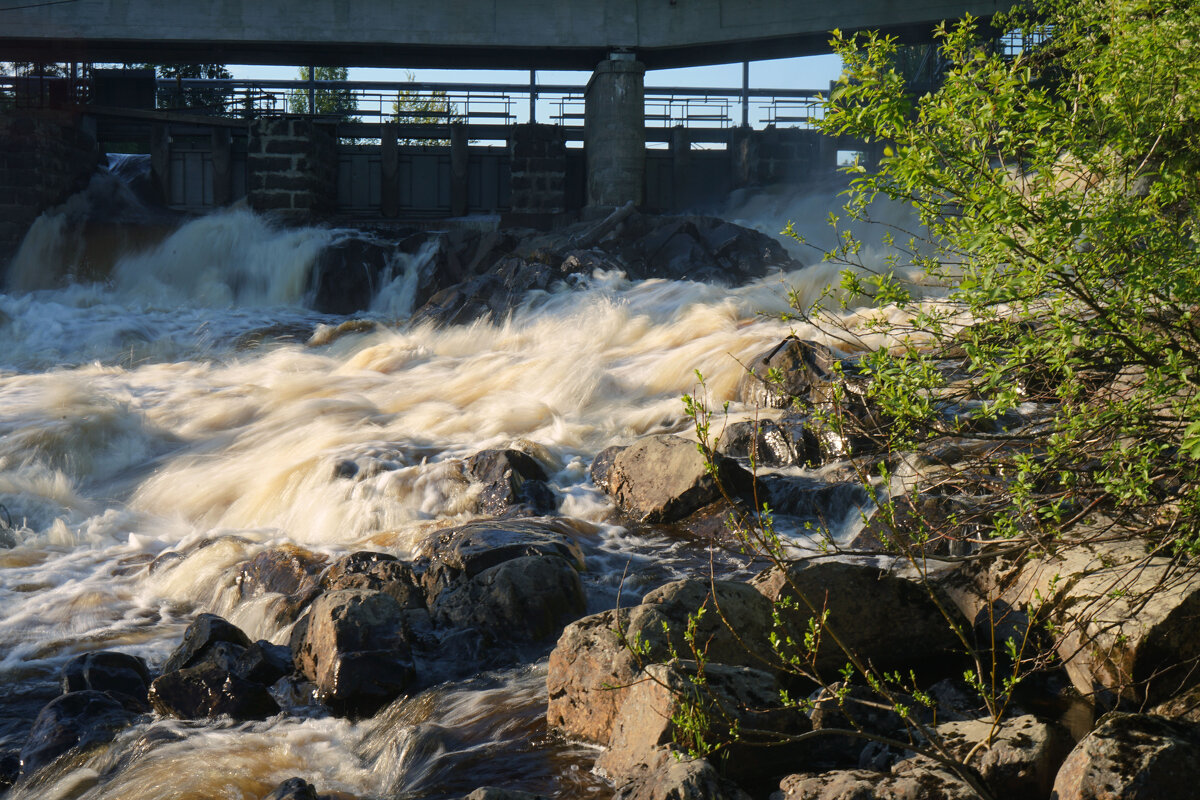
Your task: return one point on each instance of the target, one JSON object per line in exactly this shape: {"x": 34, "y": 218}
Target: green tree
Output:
{"x": 329, "y": 102}
{"x": 211, "y": 99}
{"x": 413, "y": 107}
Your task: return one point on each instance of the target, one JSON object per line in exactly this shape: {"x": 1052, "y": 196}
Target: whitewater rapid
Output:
{"x": 191, "y": 405}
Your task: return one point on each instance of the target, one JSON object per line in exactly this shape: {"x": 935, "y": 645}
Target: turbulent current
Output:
{"x": 191, "y": 406}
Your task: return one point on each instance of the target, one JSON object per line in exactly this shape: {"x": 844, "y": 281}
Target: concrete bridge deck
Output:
{"x": 525, "y": 34}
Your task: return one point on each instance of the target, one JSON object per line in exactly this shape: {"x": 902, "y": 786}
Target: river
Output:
{"x": 190, "y": 403}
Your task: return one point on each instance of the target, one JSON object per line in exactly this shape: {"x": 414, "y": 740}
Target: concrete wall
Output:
{"x": 538, "y": 164}
{"x": 411, "y": 33}
{"x": 45, "y": 157}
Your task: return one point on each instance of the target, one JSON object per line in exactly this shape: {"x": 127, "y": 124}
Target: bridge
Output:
{"x": 523, "y": 34}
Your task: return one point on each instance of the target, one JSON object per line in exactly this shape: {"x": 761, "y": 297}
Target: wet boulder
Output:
{"x": 1133, "y": 756}
{"x": 510, "y": 481}
{"x": 786, "y": 374}
{"x": 496, "y": 793}
{"x": 203, "y": 637}
{"x": 263, "y": 662}
{"x": 353, "y": 645}
{"x": 288, "y": 570}
{"x": 523, "y": 599}
{"x": 378, "y": 572}
{"x": 827, "y": 503}
{"x": 293, "y": 789}
{"x": 784, "y": 442}
{"x": 461, "y": 553}
{"x": 888, "y": 620}
{"x": 664, "y": 478}
{"x": 208, "y": 690}
{"x": 348, "y": 273}
{"x": 601, "y": 467}
{"x": 74, "y": 720}
{"x": 107, "y": 671}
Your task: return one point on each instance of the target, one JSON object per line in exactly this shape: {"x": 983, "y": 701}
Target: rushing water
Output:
{"x": 191, "y": 399}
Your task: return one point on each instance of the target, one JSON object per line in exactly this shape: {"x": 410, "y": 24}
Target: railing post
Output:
{"x": 389, "y": 164}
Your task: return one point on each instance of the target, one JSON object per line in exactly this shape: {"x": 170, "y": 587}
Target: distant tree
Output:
{"x": 338, "y": 103}
{"x": 412, "y": 107}
{"x": 209, "y": 98}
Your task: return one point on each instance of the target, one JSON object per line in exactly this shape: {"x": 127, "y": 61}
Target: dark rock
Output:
{"x": 205, "y": 631}
{"x": 523, "y": 599}
{"x": 78, "y": 719}
{"x": 510, "y": 479}
{"x": 207, "y": 690}
{"x": 353, "y": 646}
{"x": 264, "y": 663}
{"x": 348, "y": 273}
{"x": 664, "y": 478}
{"x": 602, "y": 467}
{"x": 10, "y": 769}
{"x": 379, "y": 572}
{"x": 287, "y": 570}
{"x": 887, "y": 620}
{"x": 784, "y": 442}
{"x": 464, "y": 552}
{"x": 293, "y": 789}
{"x": 1133, "y": 756}
{"x": 107, "y": 671}
{"x": 829, "y": 503}
{"x": 786, "y": 374}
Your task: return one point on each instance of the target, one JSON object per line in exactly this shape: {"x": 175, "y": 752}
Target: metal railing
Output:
{"x": 436, "y": 103}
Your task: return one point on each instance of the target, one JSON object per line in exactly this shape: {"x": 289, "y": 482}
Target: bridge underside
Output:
{"x": 522, "y": 34}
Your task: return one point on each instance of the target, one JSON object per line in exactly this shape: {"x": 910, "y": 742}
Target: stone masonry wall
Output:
{"x": 292, "y": 166}
{"x": 539, "y": 169}
{"x": 45, "y": 157}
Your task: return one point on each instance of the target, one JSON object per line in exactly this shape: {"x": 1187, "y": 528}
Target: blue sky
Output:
{"x": 811, "y": 72}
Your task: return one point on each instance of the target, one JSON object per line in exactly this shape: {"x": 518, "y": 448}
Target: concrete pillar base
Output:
{"x": 615, "y": 133}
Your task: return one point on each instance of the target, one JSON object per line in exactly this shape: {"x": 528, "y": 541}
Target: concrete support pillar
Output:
{"x": 293, "y": 168}
{"x": 743, "y": 150}
{"x": 538, "y": 169}
{"x": 389, "y": 163}
{"x": 222, "y": 166}
{"x": 615, "y": 132}
{"x": 681, "y": 168}
{"x": 160, "y": 158}
{"x": 458, "y": 169}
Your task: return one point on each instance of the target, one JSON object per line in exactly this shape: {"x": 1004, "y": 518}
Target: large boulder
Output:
{"x": 77, "y": 719}
{"x": 466, "y": 551}
{"x": 352, "y": 644}
{"x": 1127, "y": 617}
{"x": 664, "y": 478}
{"x": 716, "y": 698}
{"x": 1133, "y": 757}
{"x": 884, "y": 619}
{"x": 862, "y": 784}
{"x": 204, "y": 634}
{"x": 289, "y": 571}
{"x": 524, "y": 599}
{"x": 681, "y": 778}
{"x": 783, "y": 442}
{"x": 786, "y": 374}
{"x": 1021, "y": 757}
{"x": 107, "y": 671}
{"x": 510, "y": 480}
{"x": 207, "y": 690}
{"x": 599, "y": 657}
{"x": 381, "y": 572}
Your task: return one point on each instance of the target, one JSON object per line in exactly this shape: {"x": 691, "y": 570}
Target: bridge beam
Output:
{"x": 614, "y": 132}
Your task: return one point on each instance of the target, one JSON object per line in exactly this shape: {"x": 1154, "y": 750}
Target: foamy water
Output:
{"x": 136, "y": 418}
